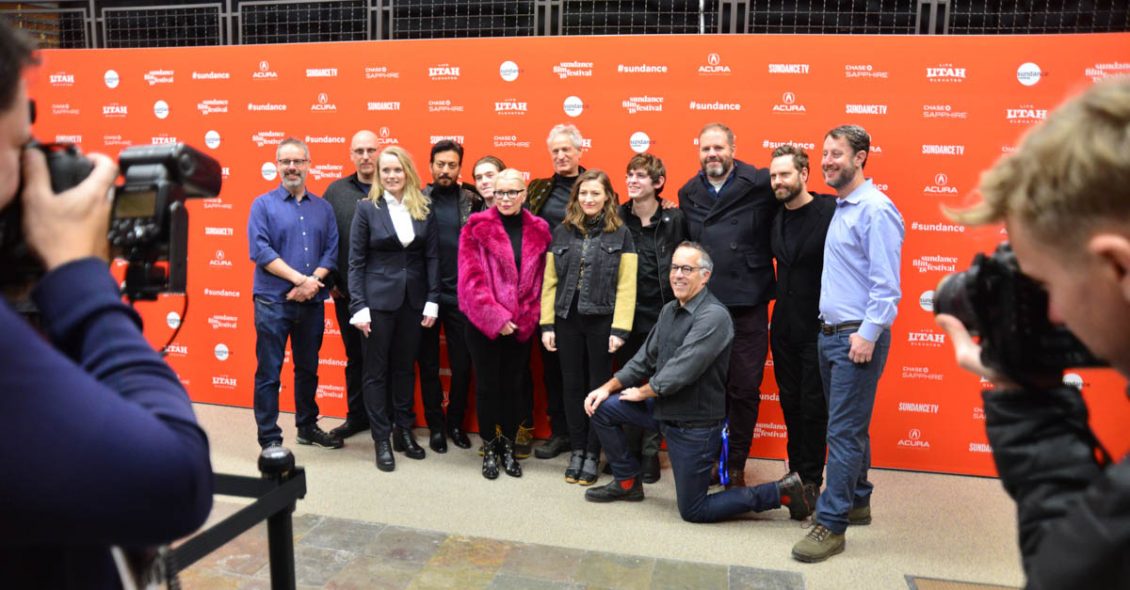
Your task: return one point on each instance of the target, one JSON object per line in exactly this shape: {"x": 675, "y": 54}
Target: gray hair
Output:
{"x": 704, "y": 259}
{"x": 569, "y": 130}
{"x": 292, "y": 141}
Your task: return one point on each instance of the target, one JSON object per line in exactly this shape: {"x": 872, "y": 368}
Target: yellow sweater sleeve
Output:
{"x": 548, "y": 292}
{"x": 625, "y": 310}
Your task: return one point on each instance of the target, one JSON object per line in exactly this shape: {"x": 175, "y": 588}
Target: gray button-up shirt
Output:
{"x": 686, "y": 356}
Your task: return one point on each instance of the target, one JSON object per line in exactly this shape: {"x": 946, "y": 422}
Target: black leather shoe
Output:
{"x": 459, "y": 438}
{"x": 793, "y": 497}
{"x": 348, "y": 429}
{"x": 649, "y": 468}
{"x": 552, "y": 447}
{"x": 613, "y": 492}
{"x": 437, "y": 441}
{"x": 385, "y": 459}
{"x": 403, "y": 441}
{"x": 490, "y": 459}
{"x": 312, "y": 435}
{"x": 573, "y": 471}
{"x": 506, "y": 454}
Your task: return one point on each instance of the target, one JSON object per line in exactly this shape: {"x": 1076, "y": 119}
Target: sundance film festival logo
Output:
{"x": 324, "y": 171}
{"x": 770, "y": 144}
{"x": 161, "y": 109}
{"x": 211, "y": 75}
{"x": 506, "y": 141}
{"x": 919, "y": 374}
{"x": 172, "y": 320}
{"x": 332, "y": 361}
{"x": 63, "y": 109}
{"x": 643, "y": 104}
{"x": 641, "y": 69}
{"x": 115, "y": 110}
{"x": 322, "y": 104}
{"x": 220, "y": 260}
{"x": 1097, "y": 72}
{"x": 573, "y": 106}
{"x": 330, "y": 392}
{"x": 212, "y": 139}
{"x": 269, "y": 171}
{"x": 163, "y": 139}
{"x": 265, "y": 138}
{"x": 946, "y": 264}
{"x": 865, "y": 109}
{"x": 443, "y": 72}
{"x": 111, "y": 79}
{"x": 926, "y": 301}
{"x": 380, "y": 73}
{"x": 511, "y": 107}
{"x": 715, "y": 106}
{"x": 221, "y": 351}
{"x": 1025, "y": 115}
{"x": 224, "y": 382}
{"x": 770, "y": 430}
{"x": 945, "y": 73}
{"x": 943, "y": 228}
{"x": 212, "y": 106}
{"x": 914, "y": 440}
{"x": 789, "y": 104}
{"x": 941, "y": 186}
{"x": 934, "y": 149}
{"x": 942, "y": 111}
{"x": 321, "y": 72}
{"x": 714, "y": 66}
{"x": 640, "y": 142}
{"x": 795, "y": 69}
{"x": 264, "y": 72}
{"x": 388, "y": 105}
{"x": 61, "y": 79}
{"x": 223, "y": 322}
{"x": 508, "y": 71}
{"x": 864, "y": 71}
{"x": 573, "y": 69}
{"x": 325, "y": 139}
{"x": 444, "y": 106}
{"x": 226, "y": 293}
{"x": 926, "y": 338}
{"x": 1029, "y": 74}
{"x": 155, "y": 77}
{"x": 266, "y": 107}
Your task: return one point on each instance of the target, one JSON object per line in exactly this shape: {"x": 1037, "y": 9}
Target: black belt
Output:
{"x": 692, "y": 423}
{"x": 829, "y": 329}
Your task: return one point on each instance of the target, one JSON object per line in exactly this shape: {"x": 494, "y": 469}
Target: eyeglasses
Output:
{"x": 508, "y": 194}
{"x": 683, "y": 268}
{"x": 289, "y": 163}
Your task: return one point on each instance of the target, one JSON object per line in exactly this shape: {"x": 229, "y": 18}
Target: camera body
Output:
{"x": 149, "y": 223}
{"x": 1009, "y": 311}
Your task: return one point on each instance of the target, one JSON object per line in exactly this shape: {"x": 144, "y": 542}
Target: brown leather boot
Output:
{"x": 737, "y": 478}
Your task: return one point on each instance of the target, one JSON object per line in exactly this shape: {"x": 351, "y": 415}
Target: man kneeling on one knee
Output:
{"x": 684, "y": 359}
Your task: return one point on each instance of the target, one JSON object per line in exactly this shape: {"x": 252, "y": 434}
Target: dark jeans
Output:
{"x": 354, "y": 361}
{"x": 455, "y": 326}
{"x": 850, "y": 390}
{"x": 692, "y": 451}
{"x": 500, "y": 366}
{"x": 797, "y": 370}
{"x": 390, "y": 372}
{"x": 554, "y": 402}
{"x": 303, "y": 324}
{"x": 582, "y": 342}
{"x": 743, "y": 385}
{"x": 640, "y": 441}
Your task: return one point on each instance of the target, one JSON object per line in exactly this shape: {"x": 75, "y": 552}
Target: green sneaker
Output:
{"x": 820, "y": 544}
{"x": 860, "y": 516}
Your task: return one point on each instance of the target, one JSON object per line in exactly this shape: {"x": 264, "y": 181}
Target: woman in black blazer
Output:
{"x": 394, "y": 290}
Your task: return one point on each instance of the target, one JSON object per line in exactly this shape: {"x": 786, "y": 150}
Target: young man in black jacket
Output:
{"x": 1064, "y": 199}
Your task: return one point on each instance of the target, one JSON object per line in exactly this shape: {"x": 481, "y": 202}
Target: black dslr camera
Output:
{"x": 149, "y": 224}
{"x": 1009, "y": 311}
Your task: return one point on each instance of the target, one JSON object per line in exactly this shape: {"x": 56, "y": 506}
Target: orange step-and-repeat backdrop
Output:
{"x": 940, "y": 110}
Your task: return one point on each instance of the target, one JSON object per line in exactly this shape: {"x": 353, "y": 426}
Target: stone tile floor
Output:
{"x": 346, "y": 554}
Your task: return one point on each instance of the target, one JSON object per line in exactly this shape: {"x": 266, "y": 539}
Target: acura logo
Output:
{"x": 788, "y": 98}
{"x": 323, "y": 98}
{"x": 264, "y": 66}
{"x": 941, "y": 179}
{"x": 713, "y": 59}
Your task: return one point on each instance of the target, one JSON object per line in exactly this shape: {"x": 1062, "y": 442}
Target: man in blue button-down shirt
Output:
{"x": 293, "y": 238}
{"x": 859, "y": 296}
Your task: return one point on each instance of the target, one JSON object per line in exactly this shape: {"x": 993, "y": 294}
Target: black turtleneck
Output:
{"x": 513, "y": 226}
{"x": 554, "y": 209}
{"x": 445, "y": 203}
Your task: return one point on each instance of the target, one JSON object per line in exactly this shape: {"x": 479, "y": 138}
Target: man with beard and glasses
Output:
{"x": 452, "y": 205}
{"x": 729, "y": 207}
{"x": 293, "y": 238}
{"x": 342, "y": 195}
{"x": 799, "y": 229}
{"x": 859, "y": 296}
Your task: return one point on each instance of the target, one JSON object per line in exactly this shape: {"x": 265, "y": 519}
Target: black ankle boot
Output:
{"x": 506, "y": 454}
{"x": 490, "y": 459}
{"x": 403, "y": 441}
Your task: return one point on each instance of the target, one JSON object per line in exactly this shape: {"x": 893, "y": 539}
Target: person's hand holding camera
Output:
{"x": 968, "y": 352}
{"x": 72, "y": 224}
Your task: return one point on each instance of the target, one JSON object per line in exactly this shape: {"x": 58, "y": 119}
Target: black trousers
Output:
{"x": 390, "y": 372}
{"x": 354, "y": 360}
{"x": 797, "y": 369}
{"x": 500, "y": 369}
{"x": 582, "y": 343}
{"x": 554, "y": 401}
{"x": 743, "y": 386}
{"x": 640, "y": 441}
{"x": 455, "y": 326}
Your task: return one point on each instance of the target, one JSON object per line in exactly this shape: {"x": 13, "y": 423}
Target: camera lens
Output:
{"x": 952, "y": 297}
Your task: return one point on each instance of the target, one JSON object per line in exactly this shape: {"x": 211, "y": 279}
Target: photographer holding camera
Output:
{"x": 102, "y": 448}
{"x": 1064, "y": 200}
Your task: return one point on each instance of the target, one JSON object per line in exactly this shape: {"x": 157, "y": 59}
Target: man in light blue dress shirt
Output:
{"x": 859, "y": 296}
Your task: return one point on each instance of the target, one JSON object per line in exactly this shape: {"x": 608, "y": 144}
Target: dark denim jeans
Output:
{"x": 850, "y": 391}
{"x": 304, "y": 325}
{"x": 692, "y": 452}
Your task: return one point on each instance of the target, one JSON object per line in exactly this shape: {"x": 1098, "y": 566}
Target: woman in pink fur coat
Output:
{"x": 501, "y": 265}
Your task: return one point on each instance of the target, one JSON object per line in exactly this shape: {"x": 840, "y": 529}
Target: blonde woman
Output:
{"x": 394, "y": 290}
